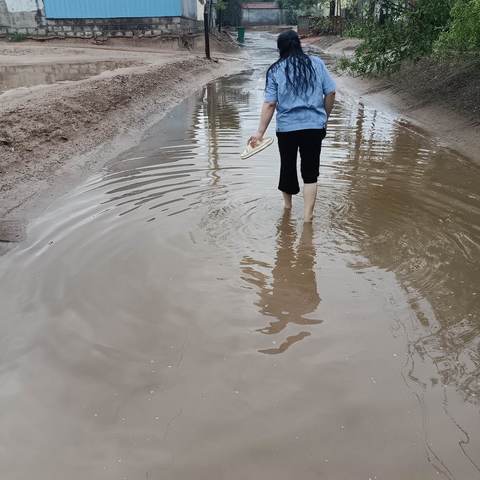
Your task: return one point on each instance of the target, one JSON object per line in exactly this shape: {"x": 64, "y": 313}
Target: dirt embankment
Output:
{"x": 453, "y": 84}
{"x": 443, "y": 97}
{"x": 43, "y": 129}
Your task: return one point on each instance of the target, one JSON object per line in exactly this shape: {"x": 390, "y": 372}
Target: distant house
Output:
{"x": 20, "y": 14}
{"x": 68, "y": 9}
{"x": 262, "y": 13}
{"x": 154, "y": 17}
{"x": 91, "y": 17}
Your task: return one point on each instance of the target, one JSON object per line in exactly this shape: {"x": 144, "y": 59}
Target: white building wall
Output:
{"x": 189, "y": 8}
{"x": 20, "y": 14}
{"x": 200, "y": 9}
{"x": 15, "y": 6}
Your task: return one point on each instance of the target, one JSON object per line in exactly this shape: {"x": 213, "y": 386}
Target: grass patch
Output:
{"x": 17, "y": 37}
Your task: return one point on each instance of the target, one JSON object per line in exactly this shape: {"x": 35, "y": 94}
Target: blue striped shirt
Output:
{"x": 299, "y": 112}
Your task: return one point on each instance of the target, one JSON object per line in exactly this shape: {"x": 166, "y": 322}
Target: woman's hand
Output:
{"x": 268, "y": 110}
{"x": 255, "y": 139}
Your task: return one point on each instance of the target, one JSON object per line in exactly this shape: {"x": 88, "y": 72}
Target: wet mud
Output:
{"x": 167, "y": 319}
{"x": 15, "y": 76}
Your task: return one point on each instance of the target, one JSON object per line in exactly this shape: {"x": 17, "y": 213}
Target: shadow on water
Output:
{"x": 292, "y": 293}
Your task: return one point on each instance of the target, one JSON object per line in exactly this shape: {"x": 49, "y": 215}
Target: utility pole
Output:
{"x": 206, "y": 27}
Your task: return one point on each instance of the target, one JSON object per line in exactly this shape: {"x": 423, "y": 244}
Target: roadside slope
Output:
{"x": 44, "y": 130}
{"x": 443, "y": 98}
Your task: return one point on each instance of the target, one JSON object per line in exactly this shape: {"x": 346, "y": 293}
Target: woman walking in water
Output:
{"x": 302, "y": 91}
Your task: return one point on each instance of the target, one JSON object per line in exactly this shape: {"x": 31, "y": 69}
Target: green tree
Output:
{"x": 463, "y": 33}
{"x": 303, "y": 7}
{"x": 397, "y": 31}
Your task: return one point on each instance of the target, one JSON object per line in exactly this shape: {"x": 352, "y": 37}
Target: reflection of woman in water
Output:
{"x": 292, "y": 293}
{"x": 300, "y": 88}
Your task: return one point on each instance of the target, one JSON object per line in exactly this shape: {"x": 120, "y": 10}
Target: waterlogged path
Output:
{"x": 166, "y": 320}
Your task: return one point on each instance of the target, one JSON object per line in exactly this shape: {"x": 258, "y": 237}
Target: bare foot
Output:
{"x": 309, "y": 196}
{"x": 287, "y": 199}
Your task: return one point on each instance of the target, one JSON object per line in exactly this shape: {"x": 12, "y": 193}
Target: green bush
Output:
{"x": 358, "y": 28}
{"x": 343, "y": 63}
{"x": 409, "y": 33}
{"x": 321, "y": 26}
{"x": 463, "y": 33}
{"x": 383, "y": 50}
{"x": 17, "y": 37}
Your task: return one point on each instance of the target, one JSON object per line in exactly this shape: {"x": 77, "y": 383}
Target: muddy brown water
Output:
{"x": 166, "y": 320}
{"x": 14, "y": 76}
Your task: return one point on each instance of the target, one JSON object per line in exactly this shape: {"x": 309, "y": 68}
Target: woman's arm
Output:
{"x": 328, "y": 86}
{"x": 268, "y": 109}
{"x": 329, "y": 101}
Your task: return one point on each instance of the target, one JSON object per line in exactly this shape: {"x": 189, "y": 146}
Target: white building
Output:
{"x": 200, "y": 9}
{"x": 20, "y": 13}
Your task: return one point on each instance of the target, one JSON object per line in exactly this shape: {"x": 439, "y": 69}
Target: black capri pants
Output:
{"x": 309, "y": 142}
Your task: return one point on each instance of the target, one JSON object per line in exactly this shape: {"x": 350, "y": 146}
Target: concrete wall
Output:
{"x": 122, "y": 27}
{"x": 200, "y": 9}
{"x": 21, "y": 5}
{"x": 262, "y": 16}
{"x": 20, "y": 13}
{"x": 189, "y": 8}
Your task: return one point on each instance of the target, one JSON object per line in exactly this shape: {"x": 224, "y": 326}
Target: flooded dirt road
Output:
{"x": 166, "y": 319}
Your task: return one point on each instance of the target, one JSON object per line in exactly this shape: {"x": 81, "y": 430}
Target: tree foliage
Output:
{"x": 231, "y": 12}
{"x": 463, "y": 33}
{"x": 303, "y": 7}
{"x": 395, "y": 31}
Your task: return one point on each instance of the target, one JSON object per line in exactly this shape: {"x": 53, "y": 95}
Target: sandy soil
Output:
{"x": 442, "y": 100}
{"x": 333, "y": 44}
{"x": 45, "y": 129}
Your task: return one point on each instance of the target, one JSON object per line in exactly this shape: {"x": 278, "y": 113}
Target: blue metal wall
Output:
{"x": 112, "y": 8}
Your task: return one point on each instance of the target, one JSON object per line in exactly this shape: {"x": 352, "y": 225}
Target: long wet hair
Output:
{"x": 299, "y": 71}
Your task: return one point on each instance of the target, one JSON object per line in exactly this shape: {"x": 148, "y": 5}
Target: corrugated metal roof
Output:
{"x": 260, "y": 5}
{"x": 112, "y": 8}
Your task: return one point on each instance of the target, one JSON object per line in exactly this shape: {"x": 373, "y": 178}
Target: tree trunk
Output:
{"x": 381, "y": 17}
{"x": 332, "y": 8}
